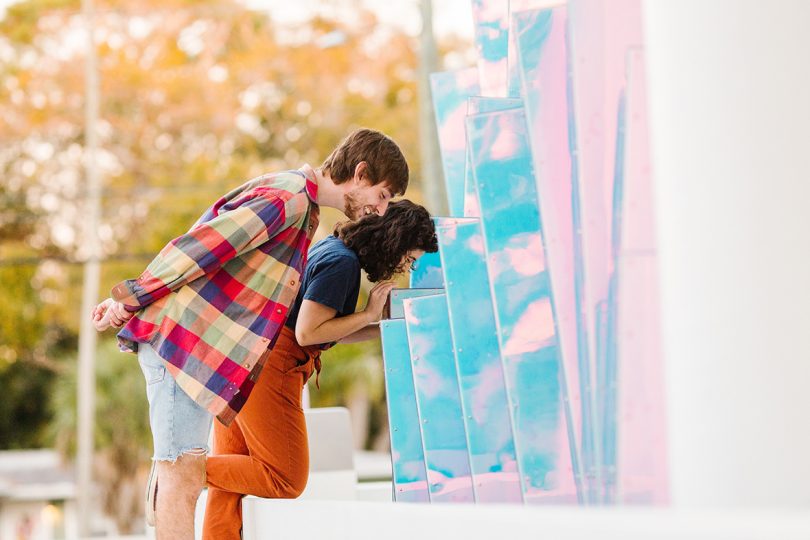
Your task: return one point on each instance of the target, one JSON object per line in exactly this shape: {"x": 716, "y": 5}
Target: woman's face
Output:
{"x": 409, "y": 259}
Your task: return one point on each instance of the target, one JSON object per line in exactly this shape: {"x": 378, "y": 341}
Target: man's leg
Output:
{"x": 223, "y": 509}
{"x": 180, "y": 484}
{"x": 180, "y": 429}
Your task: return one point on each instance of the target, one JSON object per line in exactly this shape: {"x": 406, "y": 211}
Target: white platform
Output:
{"x": 337, "y": 472}
{"x": 343, "y": 520}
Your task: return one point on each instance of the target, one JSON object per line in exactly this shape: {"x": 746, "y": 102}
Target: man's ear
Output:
{"x": 360, "y": 172}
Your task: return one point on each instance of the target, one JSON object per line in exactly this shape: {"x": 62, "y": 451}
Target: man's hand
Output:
{"x": 377, "y": 299}
{"x": 110, "y": 313}
{"x": 100, "y": 321}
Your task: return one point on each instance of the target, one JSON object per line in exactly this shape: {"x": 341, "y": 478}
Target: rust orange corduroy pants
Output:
{"x": 264, "y": 452}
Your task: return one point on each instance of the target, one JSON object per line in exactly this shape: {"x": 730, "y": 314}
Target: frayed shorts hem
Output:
{"x": 194, "y": 450}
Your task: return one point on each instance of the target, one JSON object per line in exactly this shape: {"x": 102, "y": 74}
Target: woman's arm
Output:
{"x": 317, "y": 323}
{"x": 371, "y": 331}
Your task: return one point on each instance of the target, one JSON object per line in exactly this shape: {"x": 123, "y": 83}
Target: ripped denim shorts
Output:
{"x": 179, "y": 425}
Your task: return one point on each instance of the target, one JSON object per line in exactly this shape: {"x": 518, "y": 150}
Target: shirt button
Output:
{"x": 278, "y": 311}
{"x": 292, "y": 282}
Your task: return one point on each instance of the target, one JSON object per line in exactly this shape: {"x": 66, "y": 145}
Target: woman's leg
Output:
{"x": 276, "y": 461}
{"x": 223, "y": 509}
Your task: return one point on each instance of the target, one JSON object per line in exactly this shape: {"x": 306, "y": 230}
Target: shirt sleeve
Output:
{"x": 236, "y": 227}
{"x": 332, "y": 281}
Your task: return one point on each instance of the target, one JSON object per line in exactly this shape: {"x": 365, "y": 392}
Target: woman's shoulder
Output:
{"x": 332, "y": 250}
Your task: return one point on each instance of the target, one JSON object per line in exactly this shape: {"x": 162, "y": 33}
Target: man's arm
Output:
{"x": 240, "y": 226}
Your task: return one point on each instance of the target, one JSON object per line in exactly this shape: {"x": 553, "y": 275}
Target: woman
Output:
{"x": 264, "y": 451}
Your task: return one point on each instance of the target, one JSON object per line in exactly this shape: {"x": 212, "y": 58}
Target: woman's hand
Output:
{"x": 377, "y": 298}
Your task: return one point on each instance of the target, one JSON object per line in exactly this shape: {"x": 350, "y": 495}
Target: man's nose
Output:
{"x": 382, "y": 207}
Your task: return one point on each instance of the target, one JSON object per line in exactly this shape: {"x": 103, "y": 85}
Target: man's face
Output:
{"x": 363, "y": 199}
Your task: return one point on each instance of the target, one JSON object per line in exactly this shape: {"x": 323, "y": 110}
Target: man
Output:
{"x": 207, "y": 308}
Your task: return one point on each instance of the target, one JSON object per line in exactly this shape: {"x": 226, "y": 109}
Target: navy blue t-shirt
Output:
{"x": 331, "y": 278}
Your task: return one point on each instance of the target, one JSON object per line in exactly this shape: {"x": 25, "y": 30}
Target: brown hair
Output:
{"x": 382, "y": 241}
{"x": 382, "y": 155}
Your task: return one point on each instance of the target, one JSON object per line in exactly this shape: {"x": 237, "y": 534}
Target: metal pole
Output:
{"x": 86, "y": 384}
{"x": 432, "y": 176}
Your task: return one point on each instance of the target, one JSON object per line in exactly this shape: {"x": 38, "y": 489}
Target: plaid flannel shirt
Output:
{"x": 215, "y": 298}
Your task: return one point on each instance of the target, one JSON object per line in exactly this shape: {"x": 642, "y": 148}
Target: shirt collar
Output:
{"x": 312, "y": 182}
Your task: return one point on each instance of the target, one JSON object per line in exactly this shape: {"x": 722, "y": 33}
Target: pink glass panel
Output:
{"x": 641, "y": 457}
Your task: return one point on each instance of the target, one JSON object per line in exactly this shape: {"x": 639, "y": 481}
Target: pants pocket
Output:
{"x": 304, "y": 366}
{"x": 152, "y": 366}
{"x": 153, "y": 374}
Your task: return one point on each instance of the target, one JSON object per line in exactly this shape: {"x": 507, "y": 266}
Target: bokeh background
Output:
{"x": 196, "y": 97}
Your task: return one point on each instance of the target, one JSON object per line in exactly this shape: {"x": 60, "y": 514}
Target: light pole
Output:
{"x": 432, "y": 176}
{"x": 86, "y": 384}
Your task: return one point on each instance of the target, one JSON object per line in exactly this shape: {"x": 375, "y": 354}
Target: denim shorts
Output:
{"x": 179, "y": 425}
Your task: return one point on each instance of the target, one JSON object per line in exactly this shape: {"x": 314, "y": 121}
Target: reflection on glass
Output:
{"x": 480, "y": 372}
{"x": 601, "y": 32}
{"x": 636, "y": 433}
{"x": 450, "y": 90}
{"x": 407, "y": 454}
{"x": 398, "y": 297}
{"x": 491, "y": 42}
{"x": 518, "y": 273}
{"x": 428, "y": 272}
{"x": 542, "y": 51}
{"x": 475, "y": 105}
{"x": 437, "y": 398}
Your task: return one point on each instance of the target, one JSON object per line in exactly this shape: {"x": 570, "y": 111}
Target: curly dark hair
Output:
{"x": 382, "y": 241}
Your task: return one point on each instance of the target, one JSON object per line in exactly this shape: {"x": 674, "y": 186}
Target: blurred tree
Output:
{"x": 122, "y": 425}
{"x": 197, "y": 97}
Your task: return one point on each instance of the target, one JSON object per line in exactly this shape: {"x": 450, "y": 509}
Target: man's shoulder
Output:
{"x": 287, "y": 187}
{"x": 285, "y": 184}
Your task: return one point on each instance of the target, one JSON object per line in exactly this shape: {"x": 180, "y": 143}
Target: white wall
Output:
{"x": 730, "y": 104}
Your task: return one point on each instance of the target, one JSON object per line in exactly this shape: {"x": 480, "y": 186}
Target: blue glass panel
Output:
{"x": 470, "y": 196}
{"x": 480, "y": 372}
{"x": 437, "y": 398}
{"x": 542, "y": 51}
{"x": 428, "y": 272}
{"x": 475, "y": 105}
{"x": 516, "y": 263}
{"x": 407, "y": 453}
{"x": 399, "y": 295}
{"x": 481, "y": 104}
{"x": 491, "y": 18}
{"x": 450, "y": 91}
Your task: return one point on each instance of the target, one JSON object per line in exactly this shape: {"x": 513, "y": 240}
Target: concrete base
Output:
{"x": 345, "y": 520}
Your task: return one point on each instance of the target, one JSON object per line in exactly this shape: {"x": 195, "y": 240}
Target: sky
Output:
{"x": 449, "y": 16}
